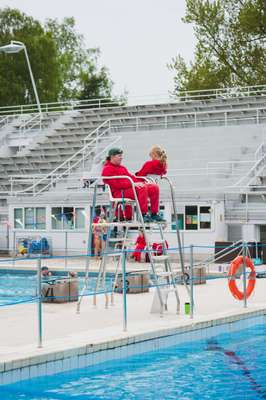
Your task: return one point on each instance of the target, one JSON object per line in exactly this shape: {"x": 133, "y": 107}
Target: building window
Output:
{"x": 56, "y": 216}
{"x": 191, "y": 218}
{"x": 30, "y": 218}
{"x": 18, "y": 218}
{"x": 180, "y": 220}
{"x": 205, "y": 217}
{"x": 80, "y": 218}
{"x": 40, "y": 218}
{"x": 68, "y": 218}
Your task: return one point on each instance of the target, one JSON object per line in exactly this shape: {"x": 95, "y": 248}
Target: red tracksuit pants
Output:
{"x": 148, "y": 193}
{"x": 137, "y": 252}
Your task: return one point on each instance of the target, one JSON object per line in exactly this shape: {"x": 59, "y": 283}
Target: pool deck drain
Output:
{"x": 67, "y": 334}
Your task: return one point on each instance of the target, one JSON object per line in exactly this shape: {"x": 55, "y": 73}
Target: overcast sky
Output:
{"x": 137, "y": 38}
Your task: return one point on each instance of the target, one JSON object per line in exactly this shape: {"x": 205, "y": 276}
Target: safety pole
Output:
{"x": 66, "y": 251}
{"x": 191, "y": 282}
{"x": 244, "y": 275}
{"x": 124, "y": 291}
{"x": 39, "y": 304}
{"x": 14, "y": 249}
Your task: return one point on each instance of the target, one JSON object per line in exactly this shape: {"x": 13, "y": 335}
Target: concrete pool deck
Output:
{"x": 66, "y": 333}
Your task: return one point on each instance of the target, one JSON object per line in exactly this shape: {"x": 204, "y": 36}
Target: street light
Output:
{"x": 16, "y": 47}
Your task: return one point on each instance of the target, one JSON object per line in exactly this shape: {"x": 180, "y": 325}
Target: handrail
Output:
{"x": 137, "y": 121}
{"x": 195, "y": 114}
{"x": 224, "y": 112}
{"x": 4, "y": 121}
{"x": 230, "y": 249}
{"x": 145, "y": 99}
{"x": 213, "y": 166}
{"x": 57, "y": 176}
{"x": 253, "y": 169}
{"x": 259, "y": 150}
{"x": 26, "y": 126}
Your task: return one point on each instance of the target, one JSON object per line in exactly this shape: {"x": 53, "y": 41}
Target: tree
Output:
{"x": 94, "y": 81}
{"x": 82, "y": 77}
{"x": 230, "y": 49}
{"x": 62, "y": 66}
{"x": 72, "y": 54}
{"x": 15, "y": 83}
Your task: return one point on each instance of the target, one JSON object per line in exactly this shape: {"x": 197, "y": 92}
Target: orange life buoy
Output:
{"x": 234, "y": 267}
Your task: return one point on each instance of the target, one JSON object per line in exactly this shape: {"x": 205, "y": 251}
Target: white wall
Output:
{"x": 74, "y": 240}
{"x": 250, "y": 233}
{"x": 4, "y": 236}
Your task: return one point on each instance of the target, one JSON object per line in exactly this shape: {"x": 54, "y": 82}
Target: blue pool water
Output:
{"x": 19, "y": 287}
{"x": 227, "y": 366}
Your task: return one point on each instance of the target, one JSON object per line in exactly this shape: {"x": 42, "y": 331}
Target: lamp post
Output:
{"x": 16, "y": 47}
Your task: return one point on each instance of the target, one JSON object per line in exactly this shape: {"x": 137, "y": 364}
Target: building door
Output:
{"x": 263, "y": 241}
{"x": 263, "y": 233}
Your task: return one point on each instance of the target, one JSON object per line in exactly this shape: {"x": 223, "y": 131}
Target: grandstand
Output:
{"x": 215, "y": 142}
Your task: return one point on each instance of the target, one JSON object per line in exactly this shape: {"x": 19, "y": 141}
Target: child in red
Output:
{"x": 157, "y": 165}
{"x": 140, "y": 245}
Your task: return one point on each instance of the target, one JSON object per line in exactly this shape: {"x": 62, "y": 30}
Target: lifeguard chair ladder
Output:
{"x": 160, "y": 298}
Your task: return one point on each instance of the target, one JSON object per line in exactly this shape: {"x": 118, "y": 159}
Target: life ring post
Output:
{"x": 245, "y": 254}
{"x": 241, "y": 263}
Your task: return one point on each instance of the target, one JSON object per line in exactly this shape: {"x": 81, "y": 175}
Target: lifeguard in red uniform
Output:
{"x": 146, "y": 192}
{"x": 157, "y": 165}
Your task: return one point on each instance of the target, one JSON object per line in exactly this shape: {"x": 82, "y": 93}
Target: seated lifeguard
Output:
{"x": 157, "y": 165}
{"x": 146, "y": 192}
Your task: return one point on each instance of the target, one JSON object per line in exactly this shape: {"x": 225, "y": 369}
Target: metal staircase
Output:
{"x": 163, "y": 276}
{"x": 95, "y": 145}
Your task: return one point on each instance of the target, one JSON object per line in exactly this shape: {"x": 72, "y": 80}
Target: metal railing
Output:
{"x": 245, "y": 213}
{"x": 224, "y": 93}
{"x": 5, "y": 121}
{"x": 191, "y": 119}
{"x": 35, "y": 122}
{"x": 233, "y": 168}
{"x": 202, "y": 118}
{"x": 252, "y": 173}
{"x": 61, "y": 106}
{"x": 63, "y": 171}
{"x": 178, "y": 96}
{"x": 37, "y": 295}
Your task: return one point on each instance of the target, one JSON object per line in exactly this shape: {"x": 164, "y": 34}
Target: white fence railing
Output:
{"x": 222, "y": 93}
{"x": 38, "y": 185}
{"x": 159, "y": 121}
{"x": 35, "y": 122}
{"x": 191, "y": 119}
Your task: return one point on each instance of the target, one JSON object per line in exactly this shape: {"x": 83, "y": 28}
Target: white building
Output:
{"x": 216, "y": 156}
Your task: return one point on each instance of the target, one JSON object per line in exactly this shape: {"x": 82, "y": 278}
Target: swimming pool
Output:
{"x": 229, "y": 365}
{"x": 16, "y": 287}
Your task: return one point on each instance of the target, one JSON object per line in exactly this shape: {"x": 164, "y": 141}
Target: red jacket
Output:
{"x": 152, "y": 167}
{"x": 141, "y": 241}
{"x": 118, "y": 185}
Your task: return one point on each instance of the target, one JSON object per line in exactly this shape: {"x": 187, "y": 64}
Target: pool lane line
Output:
{"x": 214, "y": 346}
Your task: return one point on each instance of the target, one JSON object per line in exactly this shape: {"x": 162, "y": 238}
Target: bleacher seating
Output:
{"x": 204, "y": 140}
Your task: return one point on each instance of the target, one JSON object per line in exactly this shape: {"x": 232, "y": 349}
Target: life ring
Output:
{"x": 234, "y": 267}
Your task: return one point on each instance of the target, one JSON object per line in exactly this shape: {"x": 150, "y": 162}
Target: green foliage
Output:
{"x": 71, "y": 54}
{"x": 95, "y": 82}
{"x": 15, "y": 83}
{"x": 62, "y": 66}
{"x": 230, "y": 49}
